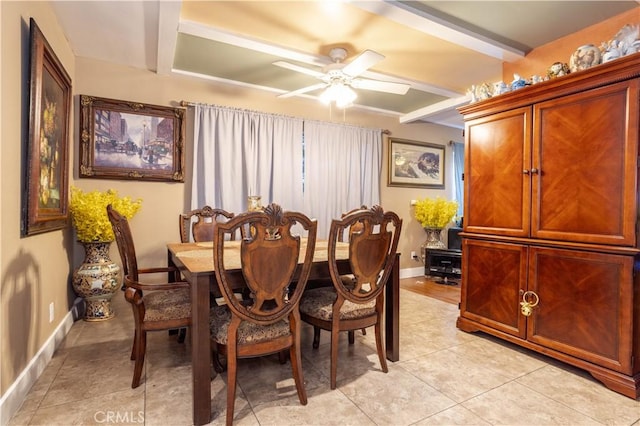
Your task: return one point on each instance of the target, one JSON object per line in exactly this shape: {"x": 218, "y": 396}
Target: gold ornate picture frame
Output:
{"x": 45, "y": 203}
{"x": 130, "y": 140}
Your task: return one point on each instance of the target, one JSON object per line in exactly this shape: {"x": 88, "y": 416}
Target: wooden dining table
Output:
{"x": 195, "y": 261}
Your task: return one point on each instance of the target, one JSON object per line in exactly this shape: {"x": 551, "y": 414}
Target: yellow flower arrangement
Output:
{"x": 89, "y": 213}
{"x": 435, "y": 212}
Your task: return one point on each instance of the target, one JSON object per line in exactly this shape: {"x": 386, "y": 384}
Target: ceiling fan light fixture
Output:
{"x": 340, "y": 93}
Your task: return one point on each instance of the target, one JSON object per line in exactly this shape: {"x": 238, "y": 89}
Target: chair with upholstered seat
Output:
{"x": 357, "y": 304}
{"x": 156, "y": 306}
{"x": 349, "y": 279}
{"x": 268, "y": 322}
{"x": 199, "y": 223}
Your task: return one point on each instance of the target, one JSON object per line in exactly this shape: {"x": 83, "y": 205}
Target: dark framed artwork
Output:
{"x": 415, "y": 164}
{"x": 47, "y": 186}
{"x": 130, "y": 140}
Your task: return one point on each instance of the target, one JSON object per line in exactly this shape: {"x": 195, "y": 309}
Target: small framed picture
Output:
{"x": 130, "y": 140}
{"x": 415, "y": 164}
{"x": 45, "y": 206}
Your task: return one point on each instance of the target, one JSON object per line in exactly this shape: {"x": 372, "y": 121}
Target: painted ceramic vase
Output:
{"x": 96, "y": 280}
{"x": 584, "y": 57}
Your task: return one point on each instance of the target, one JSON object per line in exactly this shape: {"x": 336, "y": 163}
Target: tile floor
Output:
{"x": 444, "y": 377}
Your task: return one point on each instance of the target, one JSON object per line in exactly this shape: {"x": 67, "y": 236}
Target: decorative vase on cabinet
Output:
{"x": 96, "y": 280}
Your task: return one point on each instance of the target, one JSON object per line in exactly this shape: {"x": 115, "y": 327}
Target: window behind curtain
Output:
{"x": 458, "y": 171}
{"x": 240, "y": 152}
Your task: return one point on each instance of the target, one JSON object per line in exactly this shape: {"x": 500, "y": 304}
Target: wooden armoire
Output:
{"x": 550, "y": 248}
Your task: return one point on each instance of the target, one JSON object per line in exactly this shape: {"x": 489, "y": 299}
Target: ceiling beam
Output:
{"x": 405, "y": 14}
{"x": 168, "y": 20}
{"x": 436, "y": 109}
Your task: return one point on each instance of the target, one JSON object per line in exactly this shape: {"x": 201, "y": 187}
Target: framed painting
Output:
{"x": 415, "y": 164}
{"x": 45, "y": 203}
{"x": 130, "y": 140}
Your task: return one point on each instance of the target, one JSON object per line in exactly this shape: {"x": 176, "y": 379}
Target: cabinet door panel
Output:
{"x": 585, "y": 307}
{"x": 497, "y": 193}
{"x": 494, "y": 275}
{"x": 587, "y": 161}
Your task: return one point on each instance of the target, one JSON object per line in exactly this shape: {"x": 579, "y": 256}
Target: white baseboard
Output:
{"x": 13, "y": 398}
{"x": 412, "y": 272}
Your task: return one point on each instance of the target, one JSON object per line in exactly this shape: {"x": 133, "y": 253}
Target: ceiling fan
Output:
{"x": 341, "y": 78}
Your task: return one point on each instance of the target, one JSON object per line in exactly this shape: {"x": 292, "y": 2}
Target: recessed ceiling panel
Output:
{"x": 441, "y": 48}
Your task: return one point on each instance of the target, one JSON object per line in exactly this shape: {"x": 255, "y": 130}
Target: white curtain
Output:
{"x": 240, "y": 152}
{"x": 321, "y": 169}
{"x": 342, "y": 170}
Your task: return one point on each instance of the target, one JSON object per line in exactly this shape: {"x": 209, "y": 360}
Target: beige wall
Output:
{"x": 157, "y": 221}
{"x": 34, "y": 270}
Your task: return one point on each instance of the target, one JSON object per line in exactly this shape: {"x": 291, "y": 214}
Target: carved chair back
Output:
{"x": 124, "y": 240}
{"x": 373, "y": 244}
{"x": 356, "y": 227}
{"x": 269, "y": 262}
{"x": 205, "y": 220}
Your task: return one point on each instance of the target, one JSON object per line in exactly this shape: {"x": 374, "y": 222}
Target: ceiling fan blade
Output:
{"x": 380, "y": 86}
{"x": 362, "y": 62}
{"x": 298, "y": 68}
{"x": 303, "y": 90}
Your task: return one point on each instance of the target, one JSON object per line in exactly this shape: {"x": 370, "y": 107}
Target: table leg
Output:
{"x": 200, "y": 349}
{"x": 392, "y": 313}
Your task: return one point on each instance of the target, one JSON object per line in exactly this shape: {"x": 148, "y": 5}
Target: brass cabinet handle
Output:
{"x": 529, "y": 301}
{"x": 534, "y": 171}
{"x": 525, "y": 172}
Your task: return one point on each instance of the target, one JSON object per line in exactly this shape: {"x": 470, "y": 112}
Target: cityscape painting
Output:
{"x": 128, "y": 140}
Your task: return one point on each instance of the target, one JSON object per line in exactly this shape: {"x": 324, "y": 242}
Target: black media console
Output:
{"x": 446, "y": 263}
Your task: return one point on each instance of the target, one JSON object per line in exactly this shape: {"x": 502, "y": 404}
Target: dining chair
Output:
{"x": 268, "y": 322}
{"x": 348, "y": 279}
{"x": 324, "y": 282}
{"x": 156, "y": 306}
{"x": 349, "y": 306}
{"x": 202, "y": 228}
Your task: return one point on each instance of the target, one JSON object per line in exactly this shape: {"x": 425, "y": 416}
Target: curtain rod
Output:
{"x": 192, "y": 104}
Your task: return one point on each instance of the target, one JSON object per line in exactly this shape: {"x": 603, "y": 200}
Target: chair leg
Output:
{"x": 141, "y": 346}
{"x": 182, "y": 333}
{"x": 334, "y": 355}
{"x": 296, "y": 365}
{"x": 352, "y": 337}
{"x": 316, "y": 337}
{"x": 364, "y": 331}
{"x": 217, "y": 365}
{"x": 215, "y": 359}
{"x": 381, "y": 354}
{"x": 282, "y": 357}
{"x": 232, "y": 366}
{"x": 232, "y": 370}
{"x": 133, "y": 346}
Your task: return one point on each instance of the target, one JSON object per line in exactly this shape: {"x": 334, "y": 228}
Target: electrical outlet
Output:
{"x": 413, "y": 203}
{"x": 414, "y": 256}
{"x": 51, "y": 312}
